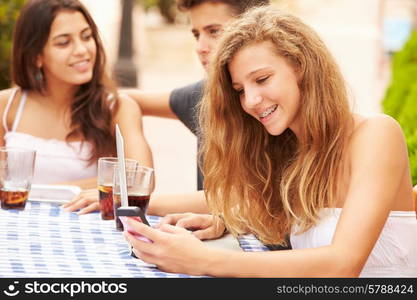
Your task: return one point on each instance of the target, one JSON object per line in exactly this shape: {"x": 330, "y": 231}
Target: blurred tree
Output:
{"x": 9, "y": 11}
{"x": 400, "y": 100}
{"x": 167, "y": 8}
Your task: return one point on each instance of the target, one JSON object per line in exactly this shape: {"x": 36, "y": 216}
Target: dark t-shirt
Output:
{"x": 183, "y": 102}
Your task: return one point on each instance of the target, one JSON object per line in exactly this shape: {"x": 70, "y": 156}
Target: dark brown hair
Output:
{"x": 91, "y": 112}
{"x": 238, "y": 6}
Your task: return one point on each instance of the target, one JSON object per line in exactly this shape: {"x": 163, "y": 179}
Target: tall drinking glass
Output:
{"x": 140, "y": 184}
{"x": 16, "y": 173}
{"x": 106, "y": 166}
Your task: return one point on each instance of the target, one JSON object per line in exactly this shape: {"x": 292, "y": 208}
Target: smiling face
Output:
{"x": 69, "y": 54}
{"x": 207, "y": 21}
{"x": 268, "y": 87}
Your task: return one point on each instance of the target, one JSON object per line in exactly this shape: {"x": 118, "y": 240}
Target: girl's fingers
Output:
{"x": 145, "y": 230}
{"x": 171, "y": 219}
{"x": 90, "y": 208}
{"x": 192, "y": 222}
{"x": 137, "y": 244}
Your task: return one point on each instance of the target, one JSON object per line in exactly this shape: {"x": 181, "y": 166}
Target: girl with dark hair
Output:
{"x": 63, "y": 104}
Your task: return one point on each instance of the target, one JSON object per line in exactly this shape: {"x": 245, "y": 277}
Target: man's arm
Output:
{"x": 162, "y": 205}
{"x": 129, "y": 118}
{"x": 152, "y": 103}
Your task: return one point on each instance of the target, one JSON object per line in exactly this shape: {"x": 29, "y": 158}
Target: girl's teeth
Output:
{"x": 80, "y": 63}
{"x": 269, "y": 111}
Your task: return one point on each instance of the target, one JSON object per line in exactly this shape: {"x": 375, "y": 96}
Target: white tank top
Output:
{"x": 56, "y": 160}
{"x": 394, "y": 254}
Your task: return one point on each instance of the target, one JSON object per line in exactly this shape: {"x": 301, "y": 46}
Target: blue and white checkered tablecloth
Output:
{"x": 45, "y": 241}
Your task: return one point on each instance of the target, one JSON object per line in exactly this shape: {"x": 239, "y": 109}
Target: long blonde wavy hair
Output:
{"x": 267, "y": 184}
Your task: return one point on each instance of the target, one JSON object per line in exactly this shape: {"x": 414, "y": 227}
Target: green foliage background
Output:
{"x": 9, "y": 11}
{"x": 400, "y": 100}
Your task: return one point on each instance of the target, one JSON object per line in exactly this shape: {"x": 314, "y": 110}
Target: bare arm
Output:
{"x": 129, "y": 118}
{"x": 152, "y": 103}
{"x": 4, "y": 96}
{"x": 376, "y": 177}
{"x": 162, "y": 205}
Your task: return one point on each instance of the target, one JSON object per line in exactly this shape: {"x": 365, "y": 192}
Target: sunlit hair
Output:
{"x": 238, "y": 6}
{"x": 91, "y": 112}
{"x": 262, "y": 183}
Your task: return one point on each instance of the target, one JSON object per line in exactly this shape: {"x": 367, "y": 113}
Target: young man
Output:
{"x": 207, "y": 18}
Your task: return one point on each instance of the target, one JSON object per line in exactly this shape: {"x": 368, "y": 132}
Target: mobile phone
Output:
{"x": 132, "y": 211}
{"x": 136, "y": 213}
